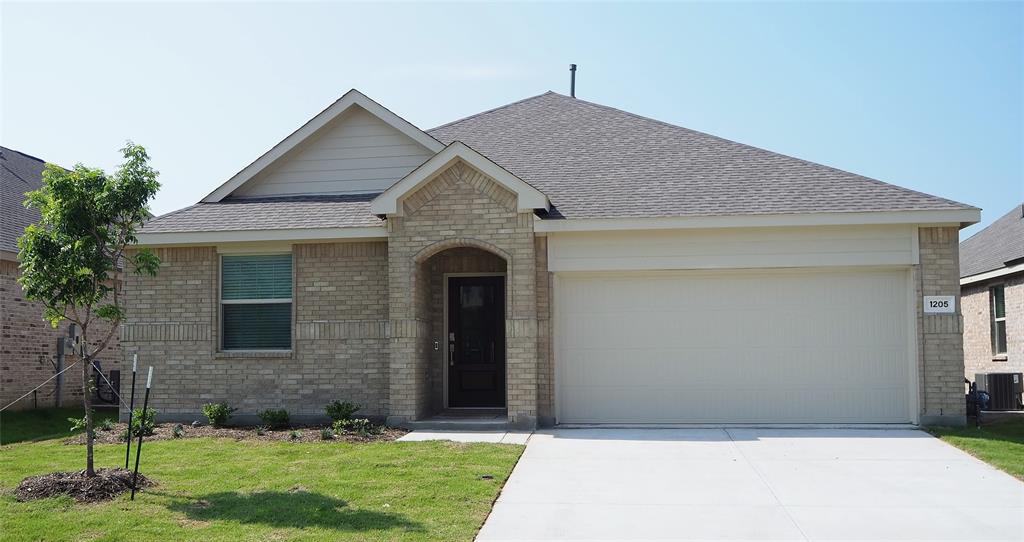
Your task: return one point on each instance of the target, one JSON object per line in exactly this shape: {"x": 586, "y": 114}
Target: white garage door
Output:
{"x": 733, "y": 347}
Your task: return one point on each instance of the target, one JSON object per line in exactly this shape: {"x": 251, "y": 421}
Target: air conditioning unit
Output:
{"x": 1004, "y": 389}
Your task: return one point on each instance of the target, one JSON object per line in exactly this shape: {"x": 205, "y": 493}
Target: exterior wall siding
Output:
{"x": 978, "y": 355}
{"x": 28, "y": 349}
{"x": 940, "y": 336}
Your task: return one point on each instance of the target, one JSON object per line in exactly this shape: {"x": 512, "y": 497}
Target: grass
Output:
{"x": 1000, "y": 444}
{"x": 220, "y": 489}
{"x": 47, "y": 423}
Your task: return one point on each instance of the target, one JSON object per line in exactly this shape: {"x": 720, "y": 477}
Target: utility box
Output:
{"x": 1005, "y": 390}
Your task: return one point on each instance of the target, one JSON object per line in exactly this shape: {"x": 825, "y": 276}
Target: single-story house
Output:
{"x": 28, "y": 344}
{"x": 552, "y": 261}
{"x": 992, "y": 290}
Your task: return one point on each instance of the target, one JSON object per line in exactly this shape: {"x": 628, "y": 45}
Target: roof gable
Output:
{"x": 528, "y": 198}
{"x": 355, "y": 145}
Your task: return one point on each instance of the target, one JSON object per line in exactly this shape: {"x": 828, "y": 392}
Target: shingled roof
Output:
{"x": 595, "y": 161}
{"x": 19, "y": 173}
{"x": 999, "y": 245}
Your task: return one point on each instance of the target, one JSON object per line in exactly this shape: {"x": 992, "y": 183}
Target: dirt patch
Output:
{"x": 166, "y": 431}
{"x": 106, "y": 485}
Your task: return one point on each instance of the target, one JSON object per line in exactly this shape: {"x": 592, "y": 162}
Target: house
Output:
{"x": 992, "y": 292}
{"x": 552, "y": 261}
{"x": 28, "y": 344}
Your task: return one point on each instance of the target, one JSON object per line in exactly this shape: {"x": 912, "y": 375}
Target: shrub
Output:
{"x": 106, "y": 424}
{"x": 179, "y": 431}
{"x": 261, "y": 430}
{"x": 218, "y": 413}
{"x": 326, "y": 433}
{"x": 294, "y": 435}
{"x": 341, "y": 410}
{"x": 144, "y": 426}
{"x": 77, "y": 424}
{"x": 275, "y": 418}
{"x": 358, "y": 426}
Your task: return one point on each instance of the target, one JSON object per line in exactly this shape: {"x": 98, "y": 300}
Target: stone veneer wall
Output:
{"x": 460, "y": 207}
{"x": 28, "y": 348}
{"x": 339, "y": 335}
{"x": 545, "y": 334}
{"x": 978, "y": 356}
{"x": 940, "y": 336}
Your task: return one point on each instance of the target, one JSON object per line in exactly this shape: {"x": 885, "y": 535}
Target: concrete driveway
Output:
{"x": 753, "y": 484}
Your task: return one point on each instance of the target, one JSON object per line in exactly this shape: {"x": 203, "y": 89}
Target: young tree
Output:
{"x": 71, "y": 259}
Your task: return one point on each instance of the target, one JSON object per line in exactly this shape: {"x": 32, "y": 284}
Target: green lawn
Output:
{"x": 1000, "y": 444}
{"x": 220, "y": 489}
{"x": 46, "y": 423}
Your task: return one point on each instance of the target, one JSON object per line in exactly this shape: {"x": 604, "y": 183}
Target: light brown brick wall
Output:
{"x": 28, "y": 347}
{"x": 460, "y": 207}
{"x": 940, "y": 338}
{"x": 978, "y": 356}
{"x": 339, "y": 335}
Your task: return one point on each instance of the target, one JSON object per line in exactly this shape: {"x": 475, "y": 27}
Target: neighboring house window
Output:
{"x": 256, "y": 302}
{"x": 998, "y": 296}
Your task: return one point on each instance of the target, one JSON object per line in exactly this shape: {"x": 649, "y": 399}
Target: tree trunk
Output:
{"x": 87, "y": 385}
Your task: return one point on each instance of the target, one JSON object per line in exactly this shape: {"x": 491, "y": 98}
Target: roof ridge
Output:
{"x": 493, "y": 109}
{"x": 765, "y": 151}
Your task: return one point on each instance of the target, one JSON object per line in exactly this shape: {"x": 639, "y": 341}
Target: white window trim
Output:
{"x": 276, "y": 300}
{"x": 996, "y": 319}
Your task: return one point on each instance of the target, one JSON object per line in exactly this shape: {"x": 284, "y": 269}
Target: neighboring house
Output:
{"x": 551, "y": 261}
{"x": 992, "y": 290}
{"x": 28, "y": 344}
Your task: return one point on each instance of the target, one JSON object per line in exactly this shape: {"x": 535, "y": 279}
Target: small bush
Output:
{"x": 106, "y": 424}
{"x": 356, "y": 426}
{"x": 326, "y": 433}
{"x": 341, "y": 410}
{"x": 275, "y": 418}
{"x": 178, "y": 431}
{"x": 218, "y": 413}
{"x": 261, "y": 430}
{"x": 294, "y": 435}
{"x": 144, "y": 426}
{"x": 77, "y": 424}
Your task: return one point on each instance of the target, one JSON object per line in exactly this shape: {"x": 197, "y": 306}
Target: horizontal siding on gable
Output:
{"x": 732, "y": 248}
{"x": 358, "y": 153}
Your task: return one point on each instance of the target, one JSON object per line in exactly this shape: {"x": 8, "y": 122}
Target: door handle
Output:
{"x": 451, "y": 354}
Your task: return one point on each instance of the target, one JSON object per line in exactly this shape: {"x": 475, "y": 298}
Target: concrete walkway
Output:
{"x": 500, "y": 437}
{"x": 753, "y": 484}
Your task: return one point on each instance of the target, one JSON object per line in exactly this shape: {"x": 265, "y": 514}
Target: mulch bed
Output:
{"x": 165, "y": 431}
{"x": 106, "y": 485}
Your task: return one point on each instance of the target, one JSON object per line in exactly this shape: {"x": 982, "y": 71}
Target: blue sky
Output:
{"x": 925, "y": 95}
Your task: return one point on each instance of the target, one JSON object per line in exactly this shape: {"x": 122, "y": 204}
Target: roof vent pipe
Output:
{"x": 572, "y": 80}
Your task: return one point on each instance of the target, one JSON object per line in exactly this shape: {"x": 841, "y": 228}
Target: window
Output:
{"x": 997, "y": 294}
{"x": 256, "y": 302}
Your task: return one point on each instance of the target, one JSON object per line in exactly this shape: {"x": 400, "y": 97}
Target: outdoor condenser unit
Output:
{"x": 1004, "y": 389}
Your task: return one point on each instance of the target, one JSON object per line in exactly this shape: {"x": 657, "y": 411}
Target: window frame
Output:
{"x": 994, "y": 320}
{"x": 269, "y": 301}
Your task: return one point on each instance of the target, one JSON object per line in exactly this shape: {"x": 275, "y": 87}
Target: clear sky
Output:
{"x": 925, "y": 95}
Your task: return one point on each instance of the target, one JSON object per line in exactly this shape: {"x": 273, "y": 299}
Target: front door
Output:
{"x": 476, "y": 342}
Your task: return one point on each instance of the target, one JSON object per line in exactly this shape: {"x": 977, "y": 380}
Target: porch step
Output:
{"x": 459, "y": 424}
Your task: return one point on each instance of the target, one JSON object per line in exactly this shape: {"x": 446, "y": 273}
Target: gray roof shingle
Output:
{"x": 996, "y": 245}
{"x": 19, "y": 173}
{"x": 595, "y": 161}
{"x": 269, "y": 214}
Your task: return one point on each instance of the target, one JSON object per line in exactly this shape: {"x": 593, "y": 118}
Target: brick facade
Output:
{"x": 940, "y": 336}
{"x": 28, "y": 349}
{"x": 977, "y": 307}
{"x": 367, "y": 315}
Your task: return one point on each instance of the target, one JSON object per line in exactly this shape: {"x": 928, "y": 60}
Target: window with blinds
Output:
{"x": 256, "y": 302}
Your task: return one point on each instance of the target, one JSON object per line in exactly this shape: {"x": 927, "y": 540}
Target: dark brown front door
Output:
{"x": 476, "y": 342}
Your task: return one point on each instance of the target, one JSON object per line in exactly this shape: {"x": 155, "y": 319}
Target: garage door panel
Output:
{"x": 733, "y": 347}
